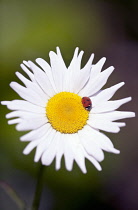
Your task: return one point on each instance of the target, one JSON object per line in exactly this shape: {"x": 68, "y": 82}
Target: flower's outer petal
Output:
{"x": 24, "y": 106}
{"x": 58, "y": 69}
{"x": 50, "y": 153}
{"x": 80, "y": 159}
{"x": 30, "y": 147}
{"x": 73, "y": 62}
{"x": 104, "y": 125}
{"x": 81, "y": 77}
{"x": 90, "y": 146}
{"x": 26, "y": 70}
{"x": 45, "y": 143}
{"x": 73, "y": 72}
{"x": 101, "y": 140}
{"x": 26, "y": 125}
{"x": 29, "y": 122}
{"x": 68, "y": 153}
{"x": 42, "y": 79}
{"x": 96, "y": 68}
{"x": 93, "y": 87}
{"x": 112, "y": 116}
{"x": 60, "y": 150}
{"x": 26, "y": 81}
{"x": 60, "y": 60}
{"x": 93, "y": 161}
{"x": 31, "y": 85}
{"x": 24, "y": 115}
{"x": 106, "y": 94}
{"x": 36, "y": 134}
{"x": 29, "y": 94}
{"x": 78, "y": 151}
{"x": 46, "y": 67}
{"x": 14, "y": 121}
{"x": 110, "y": 105}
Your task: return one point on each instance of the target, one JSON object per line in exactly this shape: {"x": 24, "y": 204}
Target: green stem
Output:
{"x": 38, "y": 190}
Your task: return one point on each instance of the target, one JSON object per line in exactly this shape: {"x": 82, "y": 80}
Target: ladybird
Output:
{"x": 87, "y": 103}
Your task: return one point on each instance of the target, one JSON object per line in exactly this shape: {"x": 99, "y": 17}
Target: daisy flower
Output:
{"x": 65, "y": 110}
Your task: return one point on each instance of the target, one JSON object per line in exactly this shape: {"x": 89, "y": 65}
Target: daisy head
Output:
{"x": 65, "y": 110}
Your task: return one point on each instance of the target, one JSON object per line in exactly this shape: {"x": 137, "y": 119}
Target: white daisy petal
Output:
{"x": 110, "y": 105}
{"x": 42, "y": 79}
{"x": 73, "y": 72}
{"x": 56, "y": 116}
{"x": 31, "y": 124}
{"x": 83, "y": 76}
{"x": 45, "y": 143}
{"x": 60, "y": 150}
{"x": 31, "y": 85}
{"x": 78, "y": 151}
{"x": 24, "y": 115}
{"x": 104, "y": 125}
{"x": 105, "y": 95}
{"x": 112, "y": 116}
{"x": 74, "y": 60}
{"x": 90, "y": 146}
{"x": 10, "y": 122}
{"x": 49, "y": 154}
{"x": 60, "y": 60}
{"x": 30, "y": 147}
{"x": 27, "y": 82}
{"x": 26, "y": 70}
{"x": 68, "y": 153}
{"x": 58, "y": 70}
{"x": 96, "y": 68}
{"x": 93, "y": 161}
{"x": 101, "y": 140}
{"x": 25, "y": 106}
{"x": 28, "y": 94}
{"x": 46, "y": 67}
{"x": 92, "y": 88}
{"x": 80, "y": 158}
{"x": 36, "y": 134}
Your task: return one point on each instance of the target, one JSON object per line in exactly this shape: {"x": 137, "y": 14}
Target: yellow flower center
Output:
{"x": 66, "y": 113}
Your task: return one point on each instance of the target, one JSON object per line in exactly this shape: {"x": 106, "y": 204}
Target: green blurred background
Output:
{"x": 30, "y": 29}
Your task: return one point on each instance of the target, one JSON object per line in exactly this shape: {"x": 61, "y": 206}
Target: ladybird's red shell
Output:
{"x": 87, "y": 103}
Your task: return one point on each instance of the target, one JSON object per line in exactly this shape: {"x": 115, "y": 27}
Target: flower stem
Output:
{"x": 38, "y": 190}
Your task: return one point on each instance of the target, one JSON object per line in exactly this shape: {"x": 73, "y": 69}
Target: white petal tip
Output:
{"x": 22, "y": 138}
{"x": 7, "y": 116}
{"x": 51, "y": 53}
{"x": 36, "y": 160}
{"x": 112, "y": 68}
{"x": 38, "y": 59}
{"x": 9, "y": 122}
{"x": 133, "y": 114}
{"x": 18, "y": 128}
{"x": 4, "y": 102}
{"x": 99, "y": 168}
{"x": 12, "y": 84}
{"x": 25, "y": 152}
{"x": 17, "y": 73}
{"x": 26, "y": 63}
{"x": 103, "y": 59}
{"x": 69, "y": 169}
{"x": 130, "y": 98}
{"x": 58, "y": 49}
{"x": 115, "y": 151}
{"x": 84, "y": 171}
{"x": 122, "y": 124}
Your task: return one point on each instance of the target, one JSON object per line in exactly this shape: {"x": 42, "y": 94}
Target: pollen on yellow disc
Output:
{"x": 66, "y": 113}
